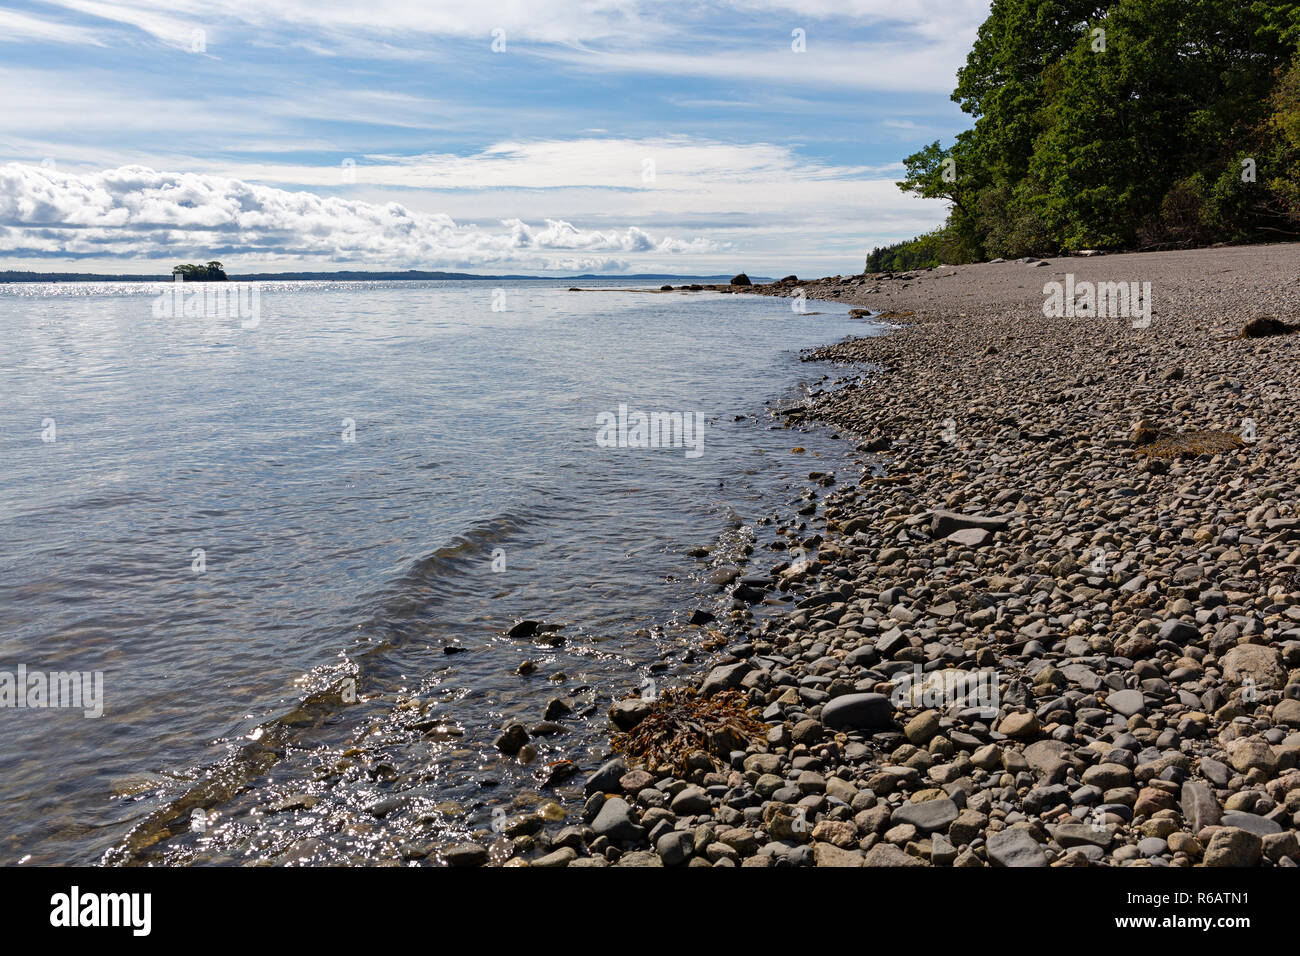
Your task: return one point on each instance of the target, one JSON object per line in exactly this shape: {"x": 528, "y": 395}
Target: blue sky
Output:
{"x": 529, "y": 136}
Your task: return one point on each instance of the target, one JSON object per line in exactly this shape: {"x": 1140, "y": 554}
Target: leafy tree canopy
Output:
{"x": 212, "y": 272}
{"x": 1130, "y": 124}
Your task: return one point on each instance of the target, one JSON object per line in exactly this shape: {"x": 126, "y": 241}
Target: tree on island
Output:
{"x": 212, "y": 272}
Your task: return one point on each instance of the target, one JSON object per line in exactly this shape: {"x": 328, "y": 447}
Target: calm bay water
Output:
{"x": 240, "y": 527}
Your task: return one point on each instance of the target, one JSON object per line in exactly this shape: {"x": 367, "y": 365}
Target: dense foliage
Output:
{"x": 212, "y": 272}
{"x": 1133, "y": 124}
{"x": 922, "y": 252}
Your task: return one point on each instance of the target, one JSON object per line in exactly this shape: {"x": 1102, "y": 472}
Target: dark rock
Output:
{"x": 465, "y": 854}
{"x": 615, "y": 823}
{"x": 944, "y": 523}
{"x": 524, "y": 629}
{"x": 726, "y": 677}
{"x": 691, "y": 801}
{"x": 1126, "y": 702}
{"x": 1179, "y": 632}
{"x": 858, "y": 711}
{"x": 1264, "y": 326}
{"x": 605, "y": 780}
{"x": 674, "y": 847}
{"x": 511, "y": 739}
{"x": 558, "y": 707}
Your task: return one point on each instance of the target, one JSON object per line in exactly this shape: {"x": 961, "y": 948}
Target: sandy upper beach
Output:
{"x": 1213, "y": 287}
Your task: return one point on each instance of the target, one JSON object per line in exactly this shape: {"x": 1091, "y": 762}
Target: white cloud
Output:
{"x": 15, "y": 27}
{"x": 135, "y": 212}
{"x": 740, "y": 188}
{"x": 713, "y": 207}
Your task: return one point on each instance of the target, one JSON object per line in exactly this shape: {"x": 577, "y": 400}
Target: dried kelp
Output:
{"x": 1207, "y": 441}
{"x": 682, "y": 723}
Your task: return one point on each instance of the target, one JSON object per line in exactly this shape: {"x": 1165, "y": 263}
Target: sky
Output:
{"x": 539, "y": 137}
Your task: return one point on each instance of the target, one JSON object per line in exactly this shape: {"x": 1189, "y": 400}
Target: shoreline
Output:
{"x": 1137, "y": 612}
{"x": 553, "y": 695}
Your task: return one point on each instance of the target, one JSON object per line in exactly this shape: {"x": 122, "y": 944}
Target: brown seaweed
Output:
{"x": 682, "y": 723}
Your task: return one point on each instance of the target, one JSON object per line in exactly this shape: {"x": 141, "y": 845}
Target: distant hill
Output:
{"x": 410, "y": 274}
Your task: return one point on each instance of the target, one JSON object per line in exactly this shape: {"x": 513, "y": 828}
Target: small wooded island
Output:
{"x": 189, "y": 272}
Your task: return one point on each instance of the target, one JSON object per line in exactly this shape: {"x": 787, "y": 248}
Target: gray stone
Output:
{"x": 1216, "y": 772}
{"x": 1251, "y": 823}
{"x": 626, "y": 714}
{"x": 1199, "y": 806}
{"x": 944, "y": 523}
{"x": 969, "y": 537}
{"x": 1152, "y": 846}
{"x": 927, "y": 816}
{"x": 1069, "y": 835}
{"x": 942, "y": 852}
{"x": 1015, "y": 847}
{"x": 886, "y": 854}
{"x": 1126, "y": 702}
{"x": 675, "y": 846}
{"x": 615, "y": 823}
{"x": 691, "y": 801}
{"x": 1045, "y": 756}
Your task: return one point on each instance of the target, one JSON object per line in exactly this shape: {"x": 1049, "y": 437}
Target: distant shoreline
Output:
{"x": 9, "y": 276}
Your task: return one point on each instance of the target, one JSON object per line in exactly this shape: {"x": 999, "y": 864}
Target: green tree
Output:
{"x": 1120, "y": 124}
{"x": 212, "y": 272}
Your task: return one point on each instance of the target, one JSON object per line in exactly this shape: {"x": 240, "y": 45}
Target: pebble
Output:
{"x": 1020, "y": 640}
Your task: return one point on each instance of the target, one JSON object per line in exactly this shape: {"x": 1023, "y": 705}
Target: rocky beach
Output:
{"x": 1055, "y": 621}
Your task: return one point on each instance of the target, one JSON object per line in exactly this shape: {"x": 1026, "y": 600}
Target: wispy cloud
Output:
{"x": 644, "y": 23}
{"x": 16, "y": 27}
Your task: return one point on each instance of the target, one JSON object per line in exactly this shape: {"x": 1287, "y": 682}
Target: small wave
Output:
{"x": 469, "y": 550}
{"x": 332, "y": 688}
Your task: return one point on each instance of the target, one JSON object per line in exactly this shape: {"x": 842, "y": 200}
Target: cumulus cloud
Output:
{"x": 559, "y": 234}
{"x": 137, "y": 212}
